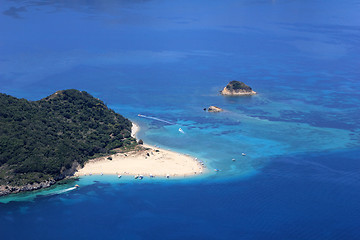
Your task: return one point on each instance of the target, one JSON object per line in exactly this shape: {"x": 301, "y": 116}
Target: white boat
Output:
{"x": 243, "y": 154}
{"x": 119, "y": 176}
{"x": 180, "y": 130}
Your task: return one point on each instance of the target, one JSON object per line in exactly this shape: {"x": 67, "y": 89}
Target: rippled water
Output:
{"x": 168, "y": 60}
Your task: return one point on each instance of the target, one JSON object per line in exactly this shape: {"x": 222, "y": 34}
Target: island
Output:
{"x": 45, "y": 141}
{"x": 236, "y": 88}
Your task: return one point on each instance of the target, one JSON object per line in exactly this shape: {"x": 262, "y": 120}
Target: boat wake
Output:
{"x": 67, "y": 190}
{"x": 155, "y": 118}
{"x": 61, "y": 191}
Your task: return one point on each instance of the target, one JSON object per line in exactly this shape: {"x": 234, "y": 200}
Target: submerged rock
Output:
{"x": 236, "y": 88}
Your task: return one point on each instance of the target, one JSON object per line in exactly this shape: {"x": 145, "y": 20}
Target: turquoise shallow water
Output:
{"x": 168, "y": 60}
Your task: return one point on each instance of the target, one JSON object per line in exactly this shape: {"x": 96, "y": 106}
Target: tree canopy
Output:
{"x": 236, "y": 85}
{"x": 41, "y": 140}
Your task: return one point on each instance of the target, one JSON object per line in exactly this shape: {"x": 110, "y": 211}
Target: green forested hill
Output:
{"x": 42, "y": 140}
{"x": 236, "y": 85}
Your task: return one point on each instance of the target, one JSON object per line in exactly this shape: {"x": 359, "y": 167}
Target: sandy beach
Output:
{"x": 150, "y": 161}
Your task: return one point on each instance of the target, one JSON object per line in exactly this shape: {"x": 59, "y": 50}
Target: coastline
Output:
{"x": 226, "y": 92}
{"x": 149, "y": 161}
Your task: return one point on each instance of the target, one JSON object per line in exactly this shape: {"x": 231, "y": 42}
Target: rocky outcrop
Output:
{"x": 215, "y": 109}
{"x": 65, "y": 173}
{"x": 236, "y": 88}
{"x": 7, "y": 189}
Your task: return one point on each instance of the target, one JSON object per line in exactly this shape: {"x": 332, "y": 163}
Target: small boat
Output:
{"x": 180, "y": 130}
{"x": 141, "y": 177}
{"x": 136, "y": 177}
{"x": 243, "y": 154}
{"x": 77, "y": 186}
{"x": 167, "y": 176}
{"x": 151, "y": 175}
{"x": 119, "y": 176}
{"x": 216, "y": 170}
{"x": 233, "y": 159}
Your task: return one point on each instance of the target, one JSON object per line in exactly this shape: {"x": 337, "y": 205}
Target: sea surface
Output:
{"x": 167, "y": 60}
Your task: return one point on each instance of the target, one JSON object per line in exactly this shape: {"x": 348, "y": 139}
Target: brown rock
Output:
{"x": 215, "y": 109}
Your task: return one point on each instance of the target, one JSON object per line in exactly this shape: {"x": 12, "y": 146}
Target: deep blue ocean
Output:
{"x": 300, "y": 178}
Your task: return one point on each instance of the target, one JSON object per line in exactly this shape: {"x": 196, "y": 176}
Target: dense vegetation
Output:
{"x": 236, "y": 85}
{"x": 43, "y": 139}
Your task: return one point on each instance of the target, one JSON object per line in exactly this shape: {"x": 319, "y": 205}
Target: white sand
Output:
{"x": 160, "y": 163}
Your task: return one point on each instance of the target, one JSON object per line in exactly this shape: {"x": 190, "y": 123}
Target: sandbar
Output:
{"x": 148, "y": 161}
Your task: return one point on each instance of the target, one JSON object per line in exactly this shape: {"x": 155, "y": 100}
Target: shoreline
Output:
{"x": 226, "y": 92}
{"x": 149, "y": 161}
